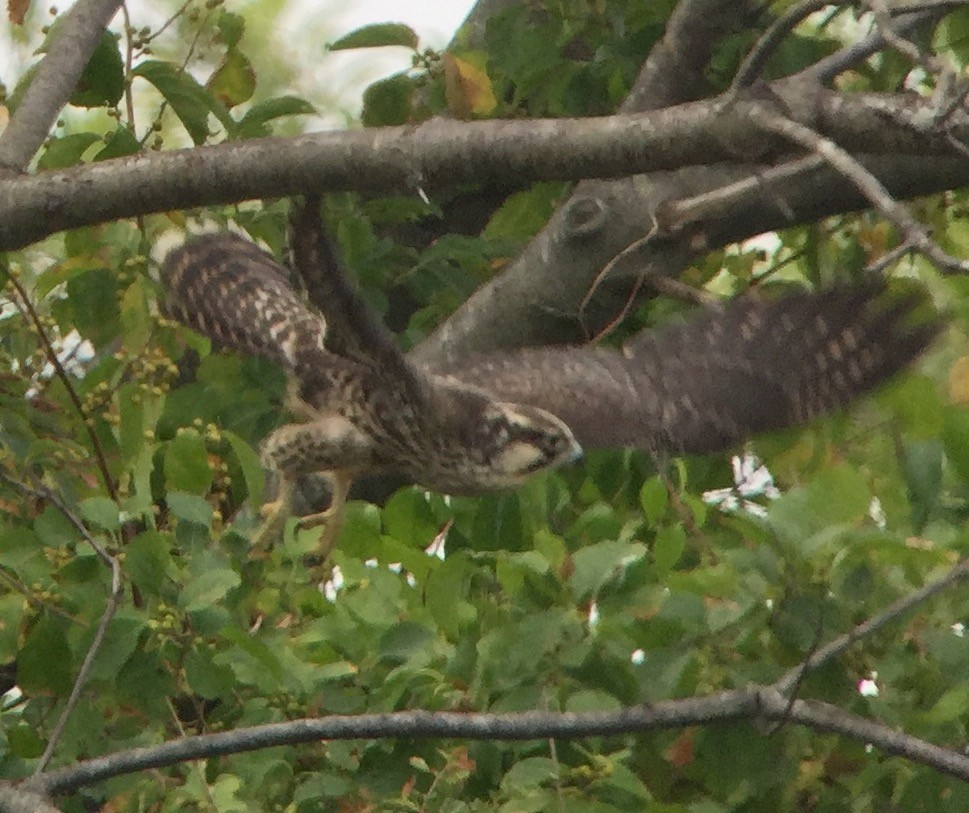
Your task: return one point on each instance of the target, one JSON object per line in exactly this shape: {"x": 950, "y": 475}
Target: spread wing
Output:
{"x": 355, "y": 331}
{"x": 704, "y": 385}
{"x": 227, "y": 288}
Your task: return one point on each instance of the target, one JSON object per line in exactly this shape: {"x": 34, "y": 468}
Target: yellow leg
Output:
{"x": 274, "y": 515}
{"x": 332, "y": 518}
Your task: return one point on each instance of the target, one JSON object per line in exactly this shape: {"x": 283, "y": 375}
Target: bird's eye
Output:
{"x": 500, "y": 430}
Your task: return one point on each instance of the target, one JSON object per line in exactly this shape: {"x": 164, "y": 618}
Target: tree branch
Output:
{"x": 912, "y": 231}
{"x": 23, "y": 800}
{"x": 80, "y": 30}
{"x": 754, "y": 703}
{"x": 870, "y": 626}
{"x": 114, "y": 599}
{"x": 23, "y": 302}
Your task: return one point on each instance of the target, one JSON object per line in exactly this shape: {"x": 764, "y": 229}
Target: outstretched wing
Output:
{"x": 704, "y": 385}
{"x": 226, "y": 288}
{"x": 355, "y": 330}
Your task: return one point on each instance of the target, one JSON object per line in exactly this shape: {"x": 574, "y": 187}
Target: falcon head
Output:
{"x": 507, "y": 443}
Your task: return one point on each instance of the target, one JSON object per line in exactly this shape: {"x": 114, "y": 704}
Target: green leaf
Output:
{"x": 54, "y": 529}
{"x": 44, "y": 664}
{"x": 120, "y": 143}
{"x": 916, "y": 404}
{"x": 12, "y": 610}
{"x": 654, "y": 498}
{"x": 191, "y": 102}
{"x": 93, "y": 300}
{"x": 523, "y": 213}
{"x": 231, "y": 28}
{"x": 335, "y": 671}
{"x": 102, "y": 82}
{"x": 360, "y": 535}
{"x": 255, "y": 649}
{"x": 951, "y": 706}
{"x": 252, "y": 469}
{"x": 798, "y": 620}
{"x": 135, "y": 318}
{"x": 101, "y": 511}
{"x": 207, "y": 678}
{"x": 955, "y": 438}
{"x": 668, "y": 547}
{"x": 835, "y": 497}
{"x": 378, "y": 35}
{"x": 132, "y": 424}
{"x": 190, "y": 508}
{"x": 529, "y": 772}
{"x": 408, "y": 518}
{"x": 208, "y": 588}
{"x": 598, "y": 564}
{"x": 234, "y": 81}
{"x": 66, "y": 151}
{"x": 24, "y": 741}
{"x": 445, "y": 593}
{"x": 403, "y": 640}
{"x": 388, "y": 102}
{"x": 923, "y": 476}
{"x": 119, "y": 643}
{"x": 147, "y": 559}
{"x": 187, "y": 463}
{"x": 591, "y": 700}
{"x": 253, "y": 123}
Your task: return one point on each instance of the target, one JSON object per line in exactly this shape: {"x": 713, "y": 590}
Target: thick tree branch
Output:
{"x": 756, "y": 703}
{"x": 443, "y": 153}
{"x": 80, "y": 30}
{"x": 21, "y": 800}
{"x": 528, "y": 303}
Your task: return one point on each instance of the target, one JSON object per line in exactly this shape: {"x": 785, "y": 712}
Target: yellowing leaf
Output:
{"x": 959, "y": 381}
{"x": 468, "y": 88}
{"x": 234, "y": 81}
{"x": 17, "y": 11}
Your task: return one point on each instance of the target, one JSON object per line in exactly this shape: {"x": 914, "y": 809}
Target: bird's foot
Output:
{"x": 330, "y": 520}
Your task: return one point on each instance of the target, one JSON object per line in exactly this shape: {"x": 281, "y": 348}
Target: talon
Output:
{"x": 270, "y": 509}
{"x": 315, "y": 520}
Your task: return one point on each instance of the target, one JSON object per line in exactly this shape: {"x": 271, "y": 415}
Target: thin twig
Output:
{"x": 82, "y": 675}
{"x": 891, "y": 613}
{"x": 680, "y": 213}
{"x": 129, "y": 96}
{"x": 753, "y": 64}
{"x": 825, "y": 70}
{"x": 198, "y": 769}
{"x": 52, "y": 357}
{"x": 19, "y": 587}
{"x": 663, "y": 285}
{"x": 912, "y": 231}
{"x": 888, "y": 259}
{"x": 53, "y": 82}
{"x": 114, "y": 599}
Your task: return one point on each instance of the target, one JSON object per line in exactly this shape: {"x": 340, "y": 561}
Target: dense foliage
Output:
{"x": 593, "y": 588}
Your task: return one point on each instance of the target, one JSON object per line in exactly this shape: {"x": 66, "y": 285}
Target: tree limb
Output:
{"x": 80, "y": 30}
{"x": 756, "y": 703}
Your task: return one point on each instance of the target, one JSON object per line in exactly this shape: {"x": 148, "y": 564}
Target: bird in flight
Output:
{"x": 488, "y": 422}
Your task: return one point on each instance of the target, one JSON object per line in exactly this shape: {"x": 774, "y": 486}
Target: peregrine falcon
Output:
{"x": 488, "y": 422}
